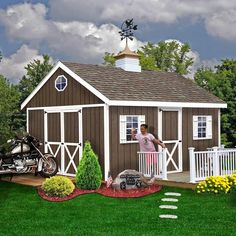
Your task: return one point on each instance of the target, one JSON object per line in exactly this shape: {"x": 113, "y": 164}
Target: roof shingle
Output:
{"x": 117, "y": 84}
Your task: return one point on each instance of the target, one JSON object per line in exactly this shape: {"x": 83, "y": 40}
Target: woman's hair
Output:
{"x": 144, "y": 125}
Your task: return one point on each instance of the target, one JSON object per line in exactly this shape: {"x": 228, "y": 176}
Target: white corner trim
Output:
{"x": 106, "y": 142}
{"x": 73, "y": 75}
{"x": 166, "y": 104}
{"x": 219, "y": 129}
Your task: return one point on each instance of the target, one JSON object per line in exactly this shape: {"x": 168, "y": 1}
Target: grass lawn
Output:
{"x": 23, "y": 212}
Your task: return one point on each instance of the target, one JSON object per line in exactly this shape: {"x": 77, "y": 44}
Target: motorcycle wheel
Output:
{"x": 50, "y": 168}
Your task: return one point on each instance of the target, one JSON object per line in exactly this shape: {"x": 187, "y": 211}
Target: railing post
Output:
{"x": 164, "y": 167}
{"x": 216, "y": 167}
{"x": 192, "y": 165}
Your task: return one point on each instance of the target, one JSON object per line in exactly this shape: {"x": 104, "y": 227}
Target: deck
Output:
{"x": 180, "y": 180}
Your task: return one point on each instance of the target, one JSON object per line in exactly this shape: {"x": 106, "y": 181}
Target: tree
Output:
{"x": 35, "y": 72}
{"x": 109, "y": 59}
{"x": 89, "y": 174}
{"x": 222, "y": 83}
{"x": 8, "y": 108}
{"x": 164, "y": 56}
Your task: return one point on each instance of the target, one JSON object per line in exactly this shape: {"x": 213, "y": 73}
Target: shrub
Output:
{"x": 59, "y": 186}
{"x": 232, "y": 181}
{"x": 89, "y": 175}
{"x": 214, "y": 184}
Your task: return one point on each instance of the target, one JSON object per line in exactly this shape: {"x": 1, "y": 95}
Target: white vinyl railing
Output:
{"x": 214, "y": 162}
{"x": 153, "y": 163}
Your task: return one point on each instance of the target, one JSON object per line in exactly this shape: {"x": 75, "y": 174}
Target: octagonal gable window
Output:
{"x": 61, "y": 83}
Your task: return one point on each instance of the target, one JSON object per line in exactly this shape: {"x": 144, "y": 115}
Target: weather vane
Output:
{"x": 127, "y": 29}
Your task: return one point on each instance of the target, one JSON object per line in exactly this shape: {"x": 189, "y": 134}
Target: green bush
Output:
{"x": 89, "y": 174}
{"x": 59, "y": 186}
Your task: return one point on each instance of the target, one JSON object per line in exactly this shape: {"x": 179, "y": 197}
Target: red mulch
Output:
{"x": 103, "y": 190}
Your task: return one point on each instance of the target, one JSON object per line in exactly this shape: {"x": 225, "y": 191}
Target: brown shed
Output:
{"x": 78, "y": 102}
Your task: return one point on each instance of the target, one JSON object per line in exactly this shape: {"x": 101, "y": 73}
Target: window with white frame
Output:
{"x": 61, "y": 83}
{"x": 202, "y": 127}
{"x": 127, "y": 123}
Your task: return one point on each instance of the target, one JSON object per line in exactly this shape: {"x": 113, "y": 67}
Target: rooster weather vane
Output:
{"x": 127, "y": 29}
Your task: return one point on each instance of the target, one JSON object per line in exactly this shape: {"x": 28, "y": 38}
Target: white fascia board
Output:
{"x": 84, "y": 83}
{"x": 73, "y": 75}
{"x": 167, "y": 104}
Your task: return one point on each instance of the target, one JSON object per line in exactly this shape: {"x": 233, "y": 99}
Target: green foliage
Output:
{"x": 164, "y": 56}
{"x": 8, "y": 109}
{"x": 222, "y": 83}
{"x": 89, "y": 175}
{"x": 109, "y": 59}
{"x": 35, "y": 72}
{"x": 59, "y": 186}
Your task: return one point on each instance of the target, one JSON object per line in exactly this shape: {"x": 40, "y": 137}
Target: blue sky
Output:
{"x": 82, "y": 31}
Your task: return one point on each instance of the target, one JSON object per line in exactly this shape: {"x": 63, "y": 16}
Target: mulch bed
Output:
{"x": 103, "y": 190}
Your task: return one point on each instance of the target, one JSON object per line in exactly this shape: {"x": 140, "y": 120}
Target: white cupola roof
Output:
{"x": 128, "y": 60}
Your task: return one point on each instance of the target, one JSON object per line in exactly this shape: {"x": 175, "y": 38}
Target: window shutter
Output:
{"x": 195, "y": 127}
{"x": 209, "y": 127}
{"x": 122, "y": 129}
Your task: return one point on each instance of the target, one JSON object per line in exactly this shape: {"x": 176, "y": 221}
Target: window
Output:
{"x": 127, "y": 123}
{"x": 202, "y": 127}
{"x": 61, "y": 83}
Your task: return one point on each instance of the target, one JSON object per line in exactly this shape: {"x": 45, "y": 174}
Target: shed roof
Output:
{"x": 117, "y": 84}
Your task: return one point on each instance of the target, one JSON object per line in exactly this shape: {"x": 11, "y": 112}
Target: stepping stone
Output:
{"x": 169, "y": 200}
{"x": 173, "y": 194}
{"x": 168, "y": 216}
{"x": 168, "y": 207}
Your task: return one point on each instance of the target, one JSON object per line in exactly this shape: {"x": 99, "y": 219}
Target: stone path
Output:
{"x": 169, "y": 207}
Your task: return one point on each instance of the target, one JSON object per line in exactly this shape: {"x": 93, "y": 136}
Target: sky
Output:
{"x": 82, "y": 31}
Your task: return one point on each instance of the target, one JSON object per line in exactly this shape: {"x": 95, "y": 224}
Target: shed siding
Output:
{"x": 36, "y": 124}
{"x": 93, "y": 131}
{"x": 187, "y": 129}
{"x": 124, "y": 156}
{"x": 74, "y": 94}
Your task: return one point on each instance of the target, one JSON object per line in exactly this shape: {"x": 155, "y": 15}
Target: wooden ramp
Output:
{"x": 179, "y": 180}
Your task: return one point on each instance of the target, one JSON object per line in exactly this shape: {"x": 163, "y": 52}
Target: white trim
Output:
{"x": 27, "y": 120}
{"x": 207, "y": 133}
{"x": 62, "y": 127}
{"x": 80, "y": 112}
{"x": 56, "y": 83}
{"x": 159, "y": 125}
{"x": 116, "y": 102}
{"x": 178, "y": 142}
{"x": 106, "y": 142}
{"x": 70, "y": 107}
{"x": 219, "y": 129}
{"x": 45, "y": 131}
{"x": 180, "y": 137}
{"x": 166, "y": 104}
{"x": 73, "y": 75}
{"x": 141, "y": 120}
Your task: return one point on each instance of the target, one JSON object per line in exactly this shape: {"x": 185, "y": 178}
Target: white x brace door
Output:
{"x": 170, "y": 132}
{"x": 63, "y": 138}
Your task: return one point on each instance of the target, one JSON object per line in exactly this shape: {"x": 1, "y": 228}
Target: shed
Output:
{"x": 78, "y": 102}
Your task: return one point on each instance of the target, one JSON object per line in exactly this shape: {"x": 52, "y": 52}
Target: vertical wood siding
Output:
{"x": 200, "y": 145}
{"x": 74, "y": 94}
{"x": 124, "y": 156}
{"x": 93, "y": 131}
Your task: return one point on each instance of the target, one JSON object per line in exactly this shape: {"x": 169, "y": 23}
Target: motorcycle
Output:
{"x": 25, "y": 157}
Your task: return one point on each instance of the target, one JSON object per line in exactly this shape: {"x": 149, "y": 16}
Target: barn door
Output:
{"x": 63, "y": 138}
{"x": 170, "y": 132}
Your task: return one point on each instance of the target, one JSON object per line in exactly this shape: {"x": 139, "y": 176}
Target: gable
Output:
{"x": 73, "y": 94}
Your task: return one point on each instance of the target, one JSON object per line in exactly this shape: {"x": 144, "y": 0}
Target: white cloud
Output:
{"x": 218, "y": 15}
{"x": 12, "y": 67}
{"x": 223, "y": 24}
